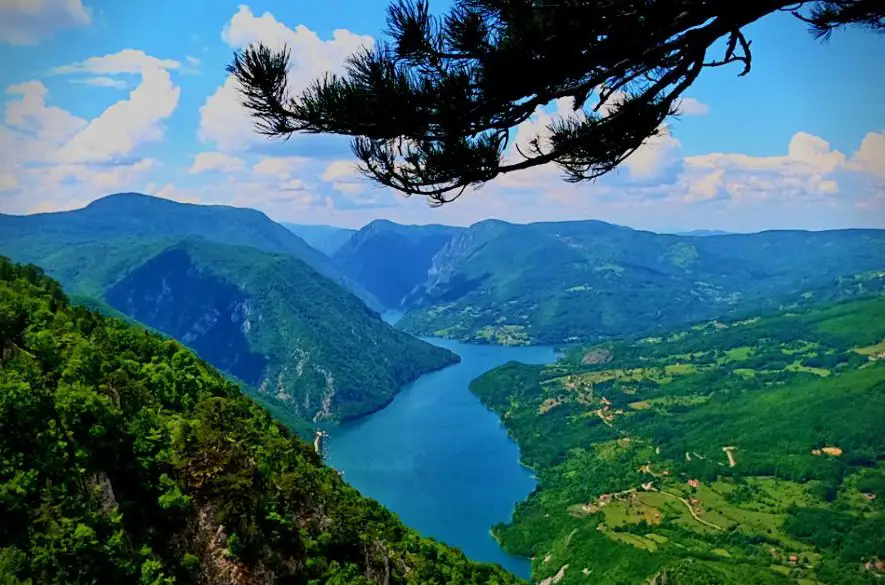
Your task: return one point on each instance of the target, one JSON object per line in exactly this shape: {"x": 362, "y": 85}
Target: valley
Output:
{"x": 575, "y": 402}
{"x": 436, "y": 453}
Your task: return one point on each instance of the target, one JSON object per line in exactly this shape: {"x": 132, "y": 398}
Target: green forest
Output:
{"x": 583, "y": 281}
{"x": 732, "y": 451}
{"x": 301, "y": 341}
{"x": 127, "y": 459}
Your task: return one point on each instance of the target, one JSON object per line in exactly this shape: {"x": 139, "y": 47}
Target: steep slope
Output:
{"x": 390, "y": 260}
{"x": 325, "y": 238}
{"x": 743, "y": 451}
{"x": 29, "y": 238}
{"x": 581, "y": 281}
{"x": 308, "y": 346}
{"x": 125, "y": 459}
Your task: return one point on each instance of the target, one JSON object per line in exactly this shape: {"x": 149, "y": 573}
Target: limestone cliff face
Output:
{"x": 445, "y": 279}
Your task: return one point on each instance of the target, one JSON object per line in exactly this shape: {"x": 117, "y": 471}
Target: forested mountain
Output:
{"x": 743, "y": 451}
{"x": 308, "y": 346}
{"x": 325, "y": 238}
{"x": 125, "y": 459}
{"x": 390, "y": 260}
{"x": 32, "y": 238}
{"x": 585, "y": 280}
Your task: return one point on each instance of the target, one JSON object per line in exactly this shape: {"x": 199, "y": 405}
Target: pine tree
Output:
{"x": 432, "y": 109}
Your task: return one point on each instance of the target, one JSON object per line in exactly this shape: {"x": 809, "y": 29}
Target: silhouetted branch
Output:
{"x": 431, "y": 109}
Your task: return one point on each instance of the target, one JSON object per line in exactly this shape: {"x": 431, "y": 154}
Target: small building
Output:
{"x": 694, "y": 483}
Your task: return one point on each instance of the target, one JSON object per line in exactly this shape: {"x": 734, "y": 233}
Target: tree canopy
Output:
{"x": 432, "y": 109}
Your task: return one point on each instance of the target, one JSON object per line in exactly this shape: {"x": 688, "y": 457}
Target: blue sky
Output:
{"x": 106, "y": 96}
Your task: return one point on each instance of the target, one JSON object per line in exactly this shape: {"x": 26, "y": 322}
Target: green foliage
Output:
{"x": 305, "y": 346}
{"x": 583, "y": 281}
{"x": 801, "y": 501}
{"x": 126, "y": 459}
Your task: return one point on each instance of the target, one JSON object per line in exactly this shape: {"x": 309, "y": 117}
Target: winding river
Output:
{"x": 439, "y": 459}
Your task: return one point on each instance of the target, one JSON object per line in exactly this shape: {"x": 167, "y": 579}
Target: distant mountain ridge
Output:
{"x": 139, "y": 215}
{"x": 325, "y": 238}
{"x": 390, "y": 259}
{"x": 578, "y": 281}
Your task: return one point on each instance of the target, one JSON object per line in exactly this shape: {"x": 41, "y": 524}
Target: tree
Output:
{"x": 432, "y": 110}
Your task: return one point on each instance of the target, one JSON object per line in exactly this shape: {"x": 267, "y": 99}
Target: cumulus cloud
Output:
{"x": 693, "y": 107}
{"x": 280, "y": 167}
{"x": 223, "y": 120}
{"x": 101, "y": 82}
{"x": 59, "y": 156}
{"x": 171, "y": 192}
{"x": 805, "y": 170}
{"x": 32, "y": 130}
{"x": 117, "y": 131}
{"x": 27, "y": 22}
{"x": 216, "y": 162}
{"x": 870, "y": 157}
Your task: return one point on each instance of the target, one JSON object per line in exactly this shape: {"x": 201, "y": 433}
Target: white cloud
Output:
{"x": 223, "y": 120}
{"x": 280, "y": 167}
{"x": 125, "y": 61}
{"x": 31, "y": 116}
{"x": 32, "y": 130}
{"x": 192, "y": 61}
{"x": 706, "y": 187}
{"x": 870, "y": 157}
{"x": 655, "y": 156}
{"x": 128, "y": 123}
{"x": 693, "y": 107}
{"x": 98, "y": 179}
{"x": 27, "y": 22}
{"x": 806, "y": 154}
{"x": 171, "y": 192}
{"x": 216, "y": 161}
{"x": 59, "y": 158}
{"x": 340, "y": 169}
{"x": 101, "y": 82}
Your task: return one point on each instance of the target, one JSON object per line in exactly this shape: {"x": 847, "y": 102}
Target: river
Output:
{"x": 439, "y": 459}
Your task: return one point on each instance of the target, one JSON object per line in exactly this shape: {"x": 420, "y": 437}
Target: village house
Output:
{"x": 694, "y": 483}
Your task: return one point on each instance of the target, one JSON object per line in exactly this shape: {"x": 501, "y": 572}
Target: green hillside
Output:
{"x": 390, "y": 260}
{"x": 308, "y": 346}
{"x": 125, "y": 459}
{"x": 583, "y": 281}
{"x": 743, "y": 451}
{"x": 35, "y": 238}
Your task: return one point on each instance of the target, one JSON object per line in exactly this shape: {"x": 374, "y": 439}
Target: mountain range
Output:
{"x": 133, "y": 215}
{"x": 579, "y": 281}
{"x": 262, "y": 313}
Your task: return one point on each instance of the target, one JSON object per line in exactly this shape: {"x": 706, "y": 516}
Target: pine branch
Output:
{"x": 431, "y": 109}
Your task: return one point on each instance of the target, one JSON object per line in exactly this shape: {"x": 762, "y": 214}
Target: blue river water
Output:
{"x": 439, "y": 459}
